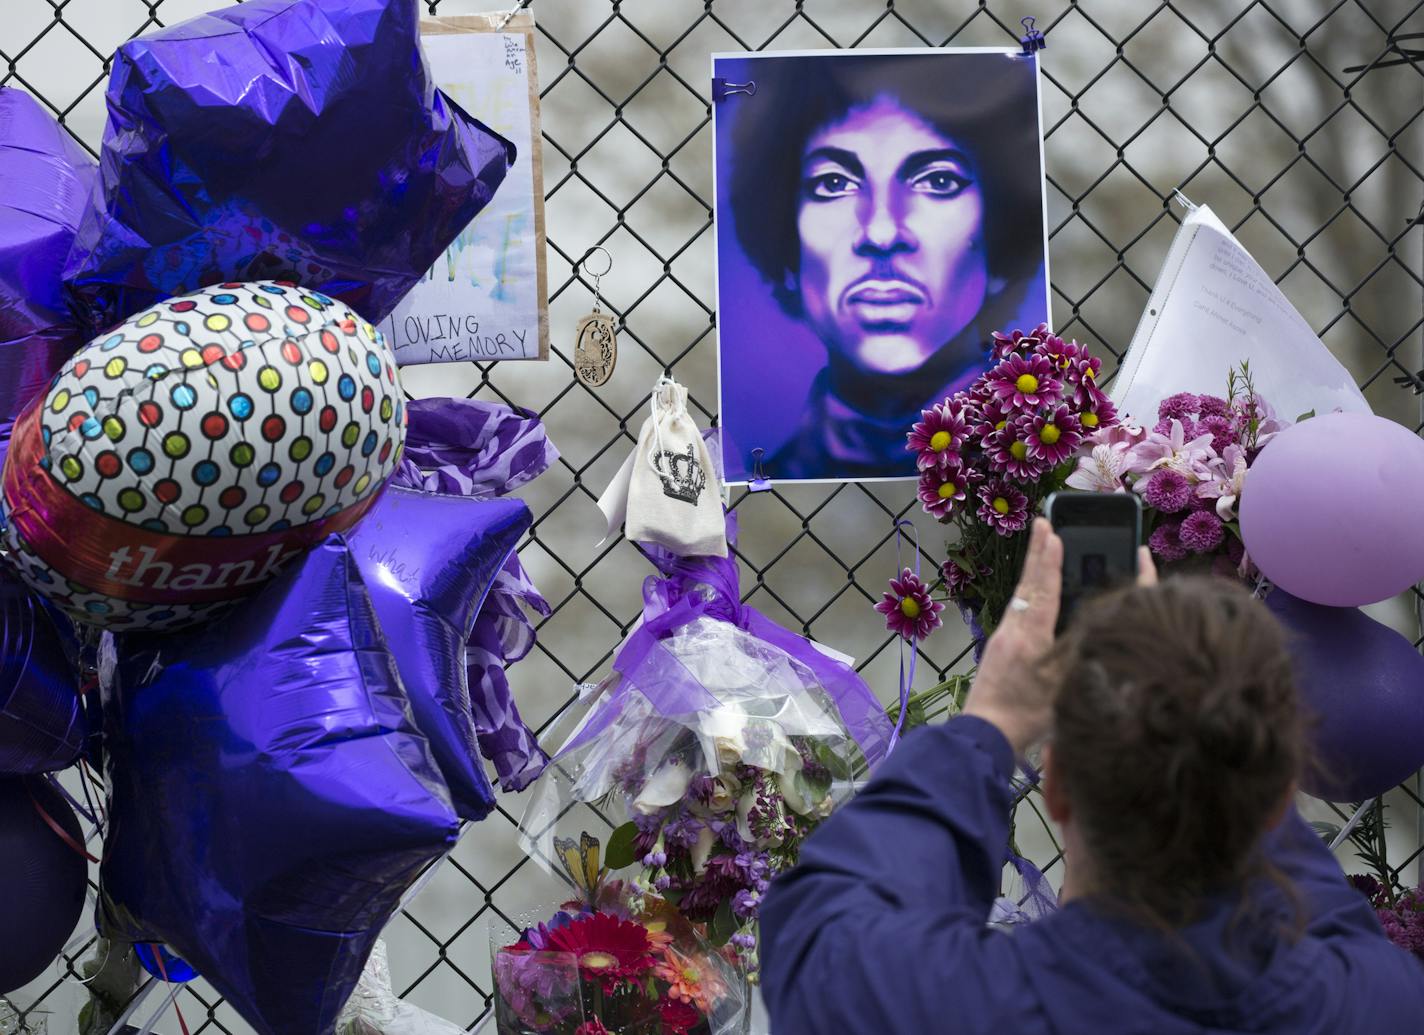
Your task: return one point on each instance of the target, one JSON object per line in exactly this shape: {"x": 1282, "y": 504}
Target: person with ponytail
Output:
{"x": 1195, "y": 900}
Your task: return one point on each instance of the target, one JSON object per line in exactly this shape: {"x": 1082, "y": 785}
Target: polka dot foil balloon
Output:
{"x": 181, "y": 460}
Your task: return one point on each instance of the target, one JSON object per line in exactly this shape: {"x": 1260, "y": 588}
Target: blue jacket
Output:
{"x": 881, "y": 929}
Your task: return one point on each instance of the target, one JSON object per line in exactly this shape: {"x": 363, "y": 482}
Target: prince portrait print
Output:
{"x": 879, "y": 215}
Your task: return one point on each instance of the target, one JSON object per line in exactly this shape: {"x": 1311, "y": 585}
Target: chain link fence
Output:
{"x": 1246, "y": 106}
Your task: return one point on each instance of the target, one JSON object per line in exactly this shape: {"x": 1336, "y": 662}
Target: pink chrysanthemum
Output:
{"x": 1201, "y": 532}
{"x": 1168, "y": 491}
{"x": 1062, "y": 354}
{"x": 939, "y": 438}
{"x": 1178, "y": 407}
{"x": 988, "y": 415}
{"x": 1003, "y": 507}
{"x": 944, "y": 488}
{"x": 1053, "y": 436}
{"x": 1025, "y": 382}
{"x": 1005, "y": 345}
{"x": 1220, "y": 429}
{"x": 908, "y": 608}
{"x": 1007, "y": 449}
{"x": 1164, "y": 544}
{"x": 1212, "y": 406}
{"x": 1189, "y": 427}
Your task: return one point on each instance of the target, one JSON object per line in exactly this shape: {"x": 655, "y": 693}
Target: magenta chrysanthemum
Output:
{"x": 1201, "y": 532}
{"x": 1164, "y": 544}
{"x": 1178, "y": 407}
{"x": 1025, "y": 382}
{"x": 1053, "y": 436}
{"x": 1212, "y": 406}
{"x": 1082, "y": 378}
{"x": 944, "y": 488}
{"x": 1003, "y": 507}
{"x": 1005, "y": 345}
{"x": 1007, "y": 450}
{"x": 1062, "y": 354}
{"x": 1098, "y": 416}
{"x": 908, "y": 607}
{"x": 939, "y": 438}
{"x": 958, "y": 579}
{"x": 1168, "y": 491}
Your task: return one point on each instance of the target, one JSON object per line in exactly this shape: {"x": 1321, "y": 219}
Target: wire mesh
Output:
{"x": 1246, "y": 106}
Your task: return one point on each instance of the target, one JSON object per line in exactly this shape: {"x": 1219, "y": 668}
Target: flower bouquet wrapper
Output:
{"x": 613, "y": 959}
{"x": 717, "y": 744}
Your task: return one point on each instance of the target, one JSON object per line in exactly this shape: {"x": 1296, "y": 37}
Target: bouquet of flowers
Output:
{"x": 720, "y": 741}
{"x": 615, "y": 960}
{"x": 1401, "y": 914}
{"x": 1189, "y": 470}
{"x": 988, "y": 457}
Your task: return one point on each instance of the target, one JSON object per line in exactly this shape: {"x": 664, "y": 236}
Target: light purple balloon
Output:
{"x": 1331, "y": 509}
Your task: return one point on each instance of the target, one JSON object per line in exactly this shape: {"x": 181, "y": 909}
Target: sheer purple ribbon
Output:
{"x": 468, "y": 447}
{"x": 709, "y": 587}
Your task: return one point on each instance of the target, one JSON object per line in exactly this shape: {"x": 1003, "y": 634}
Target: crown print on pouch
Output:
{"x": 682, "y": 475}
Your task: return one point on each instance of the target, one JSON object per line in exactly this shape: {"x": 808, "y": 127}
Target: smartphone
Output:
{"x": 1100, "y": 532}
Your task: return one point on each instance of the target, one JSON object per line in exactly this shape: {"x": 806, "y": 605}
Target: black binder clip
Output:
{"x": 1033, "y": 40}
{"x": 721, "y": 89}
{"x": 759, "y": 481}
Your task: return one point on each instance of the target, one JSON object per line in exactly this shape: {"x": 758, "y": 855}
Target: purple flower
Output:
{"x": 1003, "y": 508}
{"x": 1174, "y": 448}
{"x": 908, "y": 608}
{"x": 1164, "y": 426}
{"x": 1212, "y": 406}
{"x": 1025, "y": 382}
{"x": 1178, "y": 407}
{"x": 1164, "y": 542}
{"x": 941, "y": 489}
{"x": 1005, "y": 345}
{"x": 1167, "y": 491}
{"x": 1098, "y": 415}
{"x": 939, "y": 437}
{"x": 745, "y": 904}
{"x": 1008, "y": 452}
{"x": 959, "y": 580}
{"x": 1053, "y": 436}
{"x": 1062, "y": 354}
{"x": 1082, "y": 376}
{"x": 1201, "y": 532}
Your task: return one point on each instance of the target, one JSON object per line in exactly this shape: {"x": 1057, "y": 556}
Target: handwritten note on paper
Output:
{"x": 486, "y": 297}
{"x": 1212, "y": 307}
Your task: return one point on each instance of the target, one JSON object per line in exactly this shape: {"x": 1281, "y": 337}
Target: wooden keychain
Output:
{"x": 596, "y": 345}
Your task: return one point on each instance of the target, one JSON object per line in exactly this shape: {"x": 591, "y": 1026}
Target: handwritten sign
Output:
{"x": 486, "y": 298}
{"x": 1212, "y": 307}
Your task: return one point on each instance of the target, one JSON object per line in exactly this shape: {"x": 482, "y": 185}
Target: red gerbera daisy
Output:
{"x": 606, "y": 947}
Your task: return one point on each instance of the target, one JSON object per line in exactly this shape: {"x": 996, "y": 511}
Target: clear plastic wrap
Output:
{"x": 717, "y": 745}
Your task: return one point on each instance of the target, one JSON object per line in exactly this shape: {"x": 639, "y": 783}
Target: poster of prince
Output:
{"x": 879, "y": 214}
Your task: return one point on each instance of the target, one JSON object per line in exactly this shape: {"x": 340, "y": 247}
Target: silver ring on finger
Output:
{"x": 1019, "y": 604}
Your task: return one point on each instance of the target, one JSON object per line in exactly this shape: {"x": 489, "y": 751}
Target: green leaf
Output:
{"x": 1305, "y": 416}
{"x": 619, "y": 851}
{"x": 724, "y": 924}
{"x": 832, "y": 760}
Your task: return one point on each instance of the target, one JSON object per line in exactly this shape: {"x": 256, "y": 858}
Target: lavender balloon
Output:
{"x": 45, "y": 179}
{"x": 1363, "y": 686}
{"x": 270, "y": 798}
{"x": 276, "y": 140}
{"x": 1331, "y": 508}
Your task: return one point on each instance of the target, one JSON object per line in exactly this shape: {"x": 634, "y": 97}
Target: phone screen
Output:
{"x": 1100, "y": 533}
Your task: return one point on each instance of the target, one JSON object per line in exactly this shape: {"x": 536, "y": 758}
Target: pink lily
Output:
{"x": 1228, "y": 477}
{"x": 1102, "y": 470}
